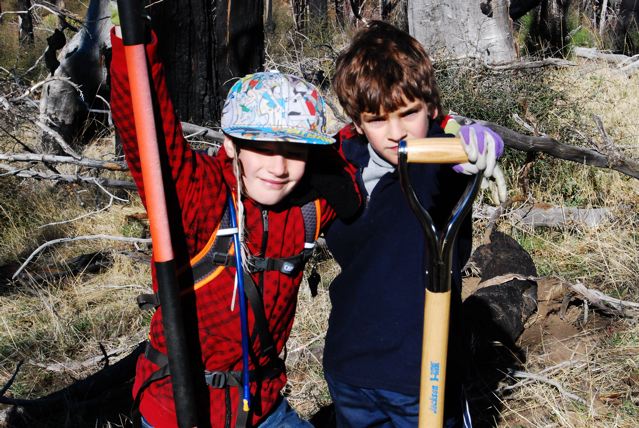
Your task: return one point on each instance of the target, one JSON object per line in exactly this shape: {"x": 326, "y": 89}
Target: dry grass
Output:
{"x": 65, "y": 320}
{"x": 603, "y": 369}
{"x": 307, "y": 391}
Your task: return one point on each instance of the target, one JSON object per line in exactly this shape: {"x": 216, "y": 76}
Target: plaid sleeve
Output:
{"x": 197, "y": 178}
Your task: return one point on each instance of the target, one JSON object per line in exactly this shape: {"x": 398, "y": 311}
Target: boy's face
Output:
{"x": 270, "y": 169}
{"x": 385, "y": 130}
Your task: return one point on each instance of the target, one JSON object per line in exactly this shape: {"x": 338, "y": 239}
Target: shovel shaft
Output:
{"x": 435, "y": 150}
{"x": 434, "y": 352}
{"x": 437, "y": 267}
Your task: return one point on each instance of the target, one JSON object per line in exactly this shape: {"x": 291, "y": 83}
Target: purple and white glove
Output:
{"x": 483, "y": 147}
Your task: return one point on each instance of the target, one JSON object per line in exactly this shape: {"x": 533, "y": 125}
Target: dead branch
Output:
{"x": 58, "y": 139}
{"x": 67, "y": 178}
{"x": 539, "y": 216}
{"x": 80, "y": 366}
{"x": 49, "y": 79}
{"x": 93, "y": 262}
{"x": 78, "y": 238}
{"x": 17, "y": 140}
{"x": 607, "y": 147}
{"x": 202, "y": 132}
{"x": 607, "y": 304}
{"x": 56, "y": 223}
{"x": 60, "y": 13}
{"x": 556, "y": 149}
{"x": 542, "y": 379}
{"x": 527, "y": 65}
{"x": 592, "y": 53}
{"x": 86, "y": 162}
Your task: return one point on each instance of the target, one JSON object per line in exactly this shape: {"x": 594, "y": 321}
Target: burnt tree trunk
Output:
{"x": 628, "y": 15}
{"x": 299, "y": 14}
{"x": 395, "y": 12}
{"x": 63, "y": 107}
{"x": 318, "y": 11}
{"x": 205, "y": 45}
{"x": 270, "y": 23}
{"x": 339, "y": 12}
{"x": 26, "y": 22}
{"x": 550, "y": 28}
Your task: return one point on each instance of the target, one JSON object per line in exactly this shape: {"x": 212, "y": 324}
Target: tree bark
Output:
{"x": 462, "y": 29}
{"x": 62, "y": 106}
{"x": 339, "y": 13}
{"x": 550, "y": 28}
{"x": 270, "y": 23}
{"x": 204, "y": 46}
{"x": 396, "y": 13}
{"x": 299, "y": 14}
{"x": 318, "y": 9}
{"x": 26, "y": 22}
{"x": 318, "y": 13}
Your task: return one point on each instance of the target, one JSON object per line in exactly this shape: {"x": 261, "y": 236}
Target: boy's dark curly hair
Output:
{"x": 383, "y": 69}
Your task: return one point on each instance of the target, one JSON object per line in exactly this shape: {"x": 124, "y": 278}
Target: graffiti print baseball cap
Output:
{"x": 272, "y": 106}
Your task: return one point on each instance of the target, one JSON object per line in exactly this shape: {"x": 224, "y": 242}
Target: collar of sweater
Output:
{"x": 376, "y": 168}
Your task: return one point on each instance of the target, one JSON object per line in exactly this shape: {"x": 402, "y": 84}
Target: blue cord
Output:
{"x": 243, "y": 310}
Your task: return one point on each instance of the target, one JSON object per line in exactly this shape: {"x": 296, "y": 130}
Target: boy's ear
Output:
{"x": 229, "y": 147}
{"x": 434, "y": 113}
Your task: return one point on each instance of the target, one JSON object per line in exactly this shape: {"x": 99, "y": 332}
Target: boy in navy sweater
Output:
{"x": 385, "y": 82}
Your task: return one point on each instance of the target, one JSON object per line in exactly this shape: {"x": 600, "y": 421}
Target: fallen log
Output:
{"x": 103, "y": 396}
{"x": 527, "y": 65}
{"x": 527, "y": 143}
{"x": 196, "y": 131}
{"x": 86, "y": 162}
{"x": 592, "y": 53}
{"x": 607, "y": 304}
{"x": 68, "y": 178}
{"x": 542, "y": 216}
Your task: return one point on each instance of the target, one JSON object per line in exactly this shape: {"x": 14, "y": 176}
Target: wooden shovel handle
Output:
{"x": 434, "y": 352}
{"x": 434, "y": 150}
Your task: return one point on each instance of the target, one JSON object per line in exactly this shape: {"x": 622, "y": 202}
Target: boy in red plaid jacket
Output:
{"x": 276, "y": 159}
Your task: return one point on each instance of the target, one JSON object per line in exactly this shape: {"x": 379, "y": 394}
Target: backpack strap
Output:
{"x": 211, "y": 261}
{"x": 217, "y": 254}
{"x": 311, "y": 213}
{"x": 206, "y": 265}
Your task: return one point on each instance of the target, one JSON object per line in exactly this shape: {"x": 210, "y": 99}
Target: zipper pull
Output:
{"x": 265, "y": 220}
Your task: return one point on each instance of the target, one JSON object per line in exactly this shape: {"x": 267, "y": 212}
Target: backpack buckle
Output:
{"x": 216, "y": 379}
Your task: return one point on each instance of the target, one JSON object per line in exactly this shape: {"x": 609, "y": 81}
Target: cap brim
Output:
{"x": 290, "y": 135}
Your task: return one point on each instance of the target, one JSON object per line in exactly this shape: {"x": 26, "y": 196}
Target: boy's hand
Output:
{"x": 483, "y": 147}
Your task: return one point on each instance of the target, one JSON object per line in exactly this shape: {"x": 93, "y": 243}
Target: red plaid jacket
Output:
{"x": 201, "y": 183}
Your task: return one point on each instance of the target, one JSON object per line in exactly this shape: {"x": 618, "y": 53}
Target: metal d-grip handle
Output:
{"x": 437, "y": 268}
{"x": 440, "y": 243}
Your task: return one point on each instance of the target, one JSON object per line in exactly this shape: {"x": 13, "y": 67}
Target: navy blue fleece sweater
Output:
{"x": 375, "y": 327}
